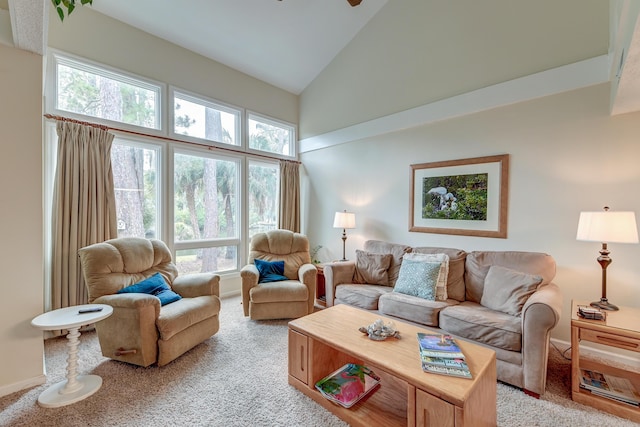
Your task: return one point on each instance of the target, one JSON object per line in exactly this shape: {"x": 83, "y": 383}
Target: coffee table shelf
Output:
{"x": 324, "y": 341}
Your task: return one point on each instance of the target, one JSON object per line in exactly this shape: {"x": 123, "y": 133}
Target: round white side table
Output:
{"x": 75, "y": 387}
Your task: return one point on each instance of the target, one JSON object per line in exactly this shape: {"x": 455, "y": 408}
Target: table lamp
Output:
{"x": 344, "y": 220}
{"x": 607, "y": 227}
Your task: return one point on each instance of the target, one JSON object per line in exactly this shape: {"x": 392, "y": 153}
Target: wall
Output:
{"x": 567, "y": 155}
{"x": 21, "y": 252}
{"x": 414, "y": 52}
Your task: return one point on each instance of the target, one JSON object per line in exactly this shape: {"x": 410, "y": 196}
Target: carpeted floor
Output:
{"x": 239, "y": 378}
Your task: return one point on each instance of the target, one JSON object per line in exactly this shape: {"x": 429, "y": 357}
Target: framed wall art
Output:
{"x": 465, "y": 197}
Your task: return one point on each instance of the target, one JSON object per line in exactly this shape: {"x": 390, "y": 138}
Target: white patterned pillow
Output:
{"x": 443, "y": 261}
{"x": 418, "y": 278}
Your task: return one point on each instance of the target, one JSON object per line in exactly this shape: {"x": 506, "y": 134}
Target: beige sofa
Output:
{"x": 476, "y": 284}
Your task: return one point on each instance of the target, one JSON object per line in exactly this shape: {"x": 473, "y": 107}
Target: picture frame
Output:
{"x": 462, "y": 197}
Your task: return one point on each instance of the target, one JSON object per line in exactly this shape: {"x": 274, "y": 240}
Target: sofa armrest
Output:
{"x": 197, "y": 284}
{"x": 308, "y": 275}
{"x": 335, "y": 274}
{"x": 250, "y": 276}
{"x": 540, "y": 314}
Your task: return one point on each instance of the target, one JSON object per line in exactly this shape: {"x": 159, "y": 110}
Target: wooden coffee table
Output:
{"x": 322, "y": 342}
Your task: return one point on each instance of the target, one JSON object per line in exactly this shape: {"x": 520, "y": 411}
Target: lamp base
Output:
{"x": 604, "y": 304}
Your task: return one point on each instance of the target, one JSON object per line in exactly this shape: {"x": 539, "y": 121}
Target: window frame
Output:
{"x": 293, "y": 148}
{"x": 213, "y": 103}
{"x": 56, "y": 57}
{"x": 237, "y": 241}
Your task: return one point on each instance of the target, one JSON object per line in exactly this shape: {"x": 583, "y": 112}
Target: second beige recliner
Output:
{"x": 285, "y": 299}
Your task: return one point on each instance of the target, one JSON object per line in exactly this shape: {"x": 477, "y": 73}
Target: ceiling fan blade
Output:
{"x": 354, "y": 2}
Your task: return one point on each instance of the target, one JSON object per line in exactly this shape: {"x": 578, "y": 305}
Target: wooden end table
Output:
{"x": 620, "y": 329}
{"x": 75, "y": 387}
{"x": 324, "y": 341}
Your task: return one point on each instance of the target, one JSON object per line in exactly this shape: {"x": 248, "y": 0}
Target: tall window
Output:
{"x": 263, "y": 196}
{"x": 136, "y": 168}
{"x": 205, "y": 200}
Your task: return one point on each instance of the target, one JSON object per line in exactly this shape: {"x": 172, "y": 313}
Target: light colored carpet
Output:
{"x": 239, "y": 378}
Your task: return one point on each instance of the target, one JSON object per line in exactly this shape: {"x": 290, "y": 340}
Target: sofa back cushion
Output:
{"x": 478, "y": 264}
{"x": 396, "y": 250}
{"x": 455, "y": 278}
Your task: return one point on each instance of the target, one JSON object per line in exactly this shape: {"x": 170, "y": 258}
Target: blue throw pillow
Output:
{"x": 270, "y": 271}
{"x": 418, "y": 279}
{"x": 154, "y": 285}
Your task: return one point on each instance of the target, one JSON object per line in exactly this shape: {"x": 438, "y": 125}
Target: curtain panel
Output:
{"x": 289, "y": 216}
{"x": 84, "y": 209}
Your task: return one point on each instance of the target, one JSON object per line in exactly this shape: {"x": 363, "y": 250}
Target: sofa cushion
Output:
{"x": 443, "y": 261}
{"x": 478, "y": 263}
{"x": 507, "y": 290}
{"x": 363, "y": 296}
{"x": 455, "y": 277}
{"x": 474, "y": 322}
{"x": 175, "y": 318}
{"x": 372, "y": 268}
{"x": 418, "y": 279}
{"x": 413, "y": 309}
{"x": 396, "y": 250}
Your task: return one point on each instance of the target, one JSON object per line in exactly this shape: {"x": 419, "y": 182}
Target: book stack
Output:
{"x": 348, "y": 385}
{"x": 588, "y": 312}
{"x": 609, "y": 386}
{"x": 440, "y": 354}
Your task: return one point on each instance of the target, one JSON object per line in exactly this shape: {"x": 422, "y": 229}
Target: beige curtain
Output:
{"x": 84, "y": 210}
{"x": 289, "y": 196}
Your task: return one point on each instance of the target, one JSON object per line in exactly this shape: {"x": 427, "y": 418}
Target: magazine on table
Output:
{"x": 609, "y": 386}
{"x": 440, "y": 354}
{"x": 348, "y": 385}
{"x": 438, "y": 345}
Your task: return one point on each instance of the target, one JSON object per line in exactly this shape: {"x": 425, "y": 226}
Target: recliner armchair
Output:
{"x": 141, "y": 331}
{"x": 284, "y": 299}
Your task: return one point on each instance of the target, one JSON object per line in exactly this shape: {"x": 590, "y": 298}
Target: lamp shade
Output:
{"x": 344, "y": 220}
{"x": 608, "y": 227}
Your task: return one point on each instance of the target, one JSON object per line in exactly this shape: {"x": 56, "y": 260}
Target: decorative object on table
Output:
{"x": 591, "y": 313}
{"x": 464, "y": 197}
{"x": 344, "y": 220}
{"x": 440, "y": 354}
{"x": 380, "y": 331}
{"x": 348, "y": 385}
{"x": 607, "y": 227}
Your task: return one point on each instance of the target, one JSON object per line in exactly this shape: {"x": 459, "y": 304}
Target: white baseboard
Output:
{"x": 22, "y": 385}
{"x": 614, "y": 358}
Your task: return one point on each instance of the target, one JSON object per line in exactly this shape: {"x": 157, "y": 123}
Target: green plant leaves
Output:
{"x": 70, "y": 5}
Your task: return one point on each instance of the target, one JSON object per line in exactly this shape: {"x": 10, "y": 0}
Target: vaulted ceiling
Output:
{"x": 287, "y": 43}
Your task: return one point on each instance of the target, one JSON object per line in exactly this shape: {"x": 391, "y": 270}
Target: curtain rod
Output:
{"x": 165, "y": 138}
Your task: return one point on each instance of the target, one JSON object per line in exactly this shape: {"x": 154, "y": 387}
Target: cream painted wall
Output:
{"x": 21, "y": 252}
{"x": 567, "y": 155}
{"x": 414, "y": 52}
{"x": 97, "y": 37}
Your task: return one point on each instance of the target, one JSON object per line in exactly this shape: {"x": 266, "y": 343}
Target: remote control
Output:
{"x": 89, "y": 310}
